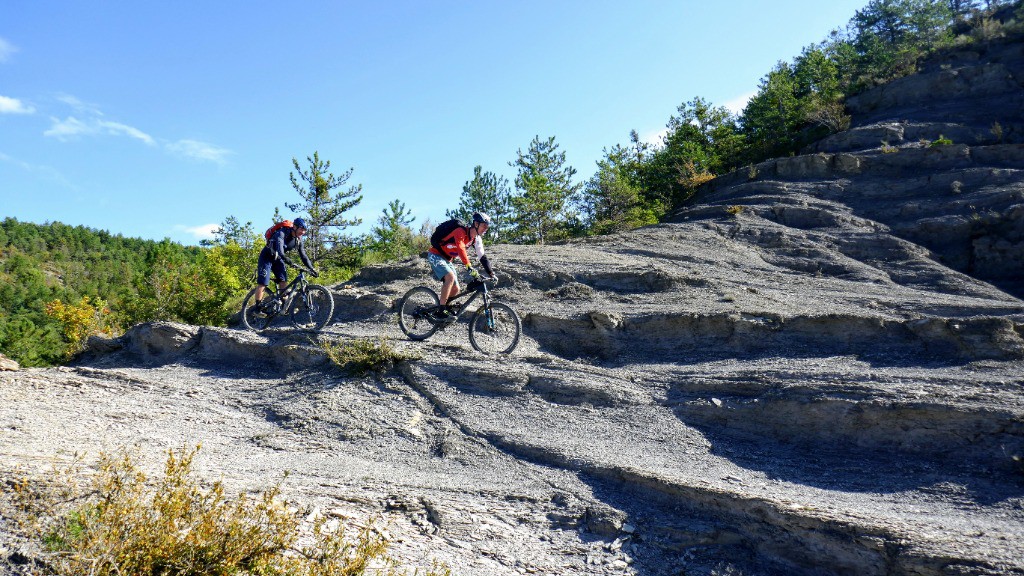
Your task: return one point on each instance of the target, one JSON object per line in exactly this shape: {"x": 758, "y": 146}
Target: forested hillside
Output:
{"x": 58, "y": 283}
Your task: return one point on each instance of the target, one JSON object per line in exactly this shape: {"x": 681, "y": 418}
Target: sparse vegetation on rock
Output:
{"x": 126, "y": 522}
{"x": 363, "y": 356}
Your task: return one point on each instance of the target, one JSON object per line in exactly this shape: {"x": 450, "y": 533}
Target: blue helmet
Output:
{"x": 299, "y": 223}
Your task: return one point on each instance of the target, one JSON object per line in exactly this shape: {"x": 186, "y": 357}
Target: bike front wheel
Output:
{"x": 495, "y": 329}
{"x": 414, "y": 313}
{"x": 257, "y": 316}
{"x": 313, "y": 309}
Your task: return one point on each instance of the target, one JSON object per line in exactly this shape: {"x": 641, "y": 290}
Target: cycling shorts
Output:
{"x": 268, "y": 264}
{"x": 441, "y": 267}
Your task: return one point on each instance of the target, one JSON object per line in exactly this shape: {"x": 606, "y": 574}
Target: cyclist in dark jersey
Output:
{"x": 273, "y": 259}
{"x": 454, "y": 246}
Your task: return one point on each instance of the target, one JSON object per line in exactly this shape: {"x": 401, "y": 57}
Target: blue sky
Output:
{"x": 160, "y": 119}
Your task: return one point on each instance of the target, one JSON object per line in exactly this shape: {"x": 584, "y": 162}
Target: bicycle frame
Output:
{"x": 310, "y": 306}
{"x": 300, "y": 279}
{"x": 481, "y": 288}
{"x": 293, "y": 288}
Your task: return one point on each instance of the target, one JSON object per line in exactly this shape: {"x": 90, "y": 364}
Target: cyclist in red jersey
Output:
{"x": 454, "y": 246}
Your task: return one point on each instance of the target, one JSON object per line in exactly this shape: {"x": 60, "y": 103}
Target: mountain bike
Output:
{"x": 309, "y": 306}
{"x": 494, "y": 328}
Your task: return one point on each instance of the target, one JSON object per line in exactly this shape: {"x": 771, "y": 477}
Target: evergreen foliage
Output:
{"x": 489, "y": 193}
{"x": 231, "y": 230}
{"x": 796, "y": 104}
{"x": 611, "y": 201}
{"x": 698, "y": 144}
{"x": 801, "y": 101}
{"x": 326, "y": 208}
{"x": 392, "y": 238}
{"x": 79, "y": 266}
{"x": 544, "y": 185}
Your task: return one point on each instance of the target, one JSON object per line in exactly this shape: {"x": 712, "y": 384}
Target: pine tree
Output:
{"x": 488, "y": 193}
{"x": 611, "y": 201}
{"x": 392, "y": 237}
{"x": 544, "y": 185}
{"x": 326, "y": 211}
{"x": 698, "y": 143}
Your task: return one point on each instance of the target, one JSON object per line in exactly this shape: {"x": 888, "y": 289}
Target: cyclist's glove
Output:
{"x": 314, "y": 273}
{"x": 473, "y": 272}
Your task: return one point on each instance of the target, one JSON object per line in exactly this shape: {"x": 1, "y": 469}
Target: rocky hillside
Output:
{"x": 817, "y": 368}
{"x": 932, "y": 159}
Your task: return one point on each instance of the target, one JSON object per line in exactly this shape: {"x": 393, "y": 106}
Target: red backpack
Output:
{"x": 273, "y": 229}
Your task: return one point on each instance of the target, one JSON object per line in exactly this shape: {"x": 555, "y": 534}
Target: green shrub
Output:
{"x": 126, "y": 523}
{"x": 79, "y": 320}
{"x": 734, "y": 210}
{"x": 362, "y": 356}
{"x": 941, "y": 141}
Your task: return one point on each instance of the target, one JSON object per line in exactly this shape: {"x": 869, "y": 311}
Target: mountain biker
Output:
{"x": 273, "y": 259}
{"x": 453, "y": 245}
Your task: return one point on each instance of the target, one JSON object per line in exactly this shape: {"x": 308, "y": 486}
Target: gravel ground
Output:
{"x": 710, "y": 440}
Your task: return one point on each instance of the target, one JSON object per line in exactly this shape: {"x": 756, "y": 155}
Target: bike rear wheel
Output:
{"x": 413, "y": 313}
{"x": 495, "y": 329}
{"x": 313, "y": 309}
{"x": 257, "y": 318}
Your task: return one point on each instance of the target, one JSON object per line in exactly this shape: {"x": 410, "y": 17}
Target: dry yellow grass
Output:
{"x": 126, "y": 523}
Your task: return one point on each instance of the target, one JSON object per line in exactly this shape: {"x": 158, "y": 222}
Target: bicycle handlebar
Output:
{"x": 476, "y": 284}
{"x": 309, "y": 271}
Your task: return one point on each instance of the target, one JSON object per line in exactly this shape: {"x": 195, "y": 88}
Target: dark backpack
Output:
{"x": 282, "y": 224}
{"x": 443, "y": 230}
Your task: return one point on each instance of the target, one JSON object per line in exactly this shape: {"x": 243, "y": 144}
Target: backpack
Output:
{"x": 273, "y": 229}
{"x": 443, "y": 230}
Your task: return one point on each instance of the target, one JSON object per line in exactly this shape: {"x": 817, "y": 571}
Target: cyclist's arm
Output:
{"x": 487, "y": 265}
{"x": 302, "y": 255}
{"x": 478, "y": 246}
{"x": 460, "y": 247}
{"x": 276, "y": 245}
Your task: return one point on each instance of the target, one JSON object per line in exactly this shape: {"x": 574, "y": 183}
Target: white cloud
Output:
{"x": 654, "y": 137}
{"x": 63, "y": 130}
{"x": 78, "y": 105}
{"x": 117, "y": 128}
{"x": 89, "y": 121}
{"x": 14, "y": 106}
{"x": 42, "y": 171}
{"x": 72, "y": 127}
{"x": 6, "y": 49}
{"x": 199, "y": 151}
{"x": 202, "y": 232}
{"x": 737, "y": 104}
